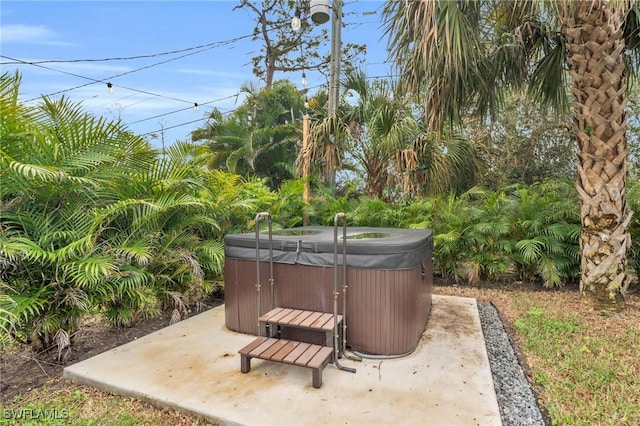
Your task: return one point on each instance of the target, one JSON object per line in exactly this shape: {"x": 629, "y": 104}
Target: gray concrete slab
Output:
{"x": 194, "y": 366}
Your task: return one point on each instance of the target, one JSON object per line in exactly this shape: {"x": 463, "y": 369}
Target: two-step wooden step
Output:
{"x": 302, "y": 354}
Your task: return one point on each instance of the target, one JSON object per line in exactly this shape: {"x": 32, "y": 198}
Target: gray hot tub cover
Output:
{"x": 375, "y": 248}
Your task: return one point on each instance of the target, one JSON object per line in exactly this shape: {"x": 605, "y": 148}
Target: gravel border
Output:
{"x": 517, "y": 402}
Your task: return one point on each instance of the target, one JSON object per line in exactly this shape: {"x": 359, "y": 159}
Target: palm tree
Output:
{"x": 462, "y": 56}
{"x": 57, "y": 165}
{"x": 381, "y": 132}
{"x": 92, "y": 220}
{"x": 377, "y": 125}
{"x": 258, "y": 138}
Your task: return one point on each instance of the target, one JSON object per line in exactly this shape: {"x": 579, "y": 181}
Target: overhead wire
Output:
{"x": 123, "y": 58}
{"x": 208, "y": 46}
{"x": 195, "y": 121}
{"x": 183, "y": 109}
{"x": 192, "y": 51}
{"x": 94, "y": 81}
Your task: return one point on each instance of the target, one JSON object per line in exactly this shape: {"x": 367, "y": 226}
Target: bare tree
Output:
{"x": 286, "y": 50}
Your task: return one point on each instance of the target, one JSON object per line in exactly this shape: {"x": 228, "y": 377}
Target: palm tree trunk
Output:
{"x": 596, "y": 50}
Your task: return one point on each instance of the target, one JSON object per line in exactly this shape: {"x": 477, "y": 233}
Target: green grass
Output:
{"x": 586, "y": 362}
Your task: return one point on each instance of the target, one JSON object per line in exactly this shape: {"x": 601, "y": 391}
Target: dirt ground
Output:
{"x": 21, "y": 369}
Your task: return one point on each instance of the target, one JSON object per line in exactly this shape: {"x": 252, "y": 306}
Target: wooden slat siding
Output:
{"x": 283, "y": 313}
{"x": 270, "y": 314}
{"x": 328, "y": 326}
{"x": 401, "y": 301}
{"x": 263, "y": 347}
{"x": 285, "y": 350}
{"x": 247, "y": 295}
{"x": 401, "y": 308}
{"x": 287, "y": 319}
{"x": 231, "y": 311}
{"x": 307, "y": 355}
{"x": 310, "y": 319}
{"x": 320, "y": 322}
{"x": 310, "y": 290}
{"x": 295, "y": 354}
{"x": 320, "y": 358}
{"x": 275, "y": 348}
{"x": 251, "y": 346}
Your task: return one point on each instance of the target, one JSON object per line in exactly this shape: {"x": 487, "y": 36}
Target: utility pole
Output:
{"x": 320, "y": 15}
{"x": 334, "y": 90}
{"x": 305, "y": 168}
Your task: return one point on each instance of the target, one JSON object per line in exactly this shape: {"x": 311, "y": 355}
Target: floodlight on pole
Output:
{"x": 319, "y": 15}
{"x": 319, "y": 11}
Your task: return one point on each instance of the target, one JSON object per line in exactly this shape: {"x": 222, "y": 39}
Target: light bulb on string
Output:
{"x": 196, "y": 106}
{"x": 295, "y": 22}
{"x": 110, "y": 88}
{"x": 304, "y": 79}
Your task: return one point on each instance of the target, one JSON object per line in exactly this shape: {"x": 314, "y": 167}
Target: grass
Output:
{"x": 586, "y": 362}
{"x": 61, "y": 404}
{"x": 583, "y": 363}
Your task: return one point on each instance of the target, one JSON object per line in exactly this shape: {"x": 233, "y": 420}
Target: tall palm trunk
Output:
{"x": 596, "y": 49}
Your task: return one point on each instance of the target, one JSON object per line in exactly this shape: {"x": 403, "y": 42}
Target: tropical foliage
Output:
{"x": 463, "y": 58}
{"x": 259, "y": 138}
{"x": 94, "y": 221}
{"x": 518, "y": 233}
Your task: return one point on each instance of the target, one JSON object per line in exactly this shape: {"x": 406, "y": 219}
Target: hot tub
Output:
{"x": 389, "y": 277}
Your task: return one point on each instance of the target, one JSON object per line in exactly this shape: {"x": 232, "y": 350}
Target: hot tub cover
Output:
{"x": 367, "y": 247}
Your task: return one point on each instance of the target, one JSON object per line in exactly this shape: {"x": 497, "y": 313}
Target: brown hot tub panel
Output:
{"x": 389, "y": 277}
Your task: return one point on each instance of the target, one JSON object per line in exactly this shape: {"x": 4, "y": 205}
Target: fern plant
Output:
{"x": 546, "y": 228}
{"x": 93, "y": 220}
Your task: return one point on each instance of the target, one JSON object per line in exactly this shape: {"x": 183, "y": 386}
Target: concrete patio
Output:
{"x": 193, "y": 366}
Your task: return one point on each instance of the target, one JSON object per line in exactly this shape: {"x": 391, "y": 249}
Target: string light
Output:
{"x": 196, "y": 106}
{"x": 110, "y": 88}
{"x": 304, "y": 79}
{"x": 295, "y": 22}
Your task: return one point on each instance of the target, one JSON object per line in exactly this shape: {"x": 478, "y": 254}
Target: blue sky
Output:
{"x": 162, "y": 95}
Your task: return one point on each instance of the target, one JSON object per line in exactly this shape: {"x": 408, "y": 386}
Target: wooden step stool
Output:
{"x": 269, "y": 348}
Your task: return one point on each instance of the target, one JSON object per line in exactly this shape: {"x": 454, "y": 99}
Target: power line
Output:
{"x": 183, "y": 109}
{"x": 94, "y": 81}
{"x": 208, "y": 46}
{"x": 194, "y": 121}
{"x": 125, "y": 58}
{"x": 172, "y": 127}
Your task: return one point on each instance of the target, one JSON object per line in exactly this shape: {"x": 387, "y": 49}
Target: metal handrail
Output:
{"x": 258, "y": 285}
{"x": 338, "y": 349}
